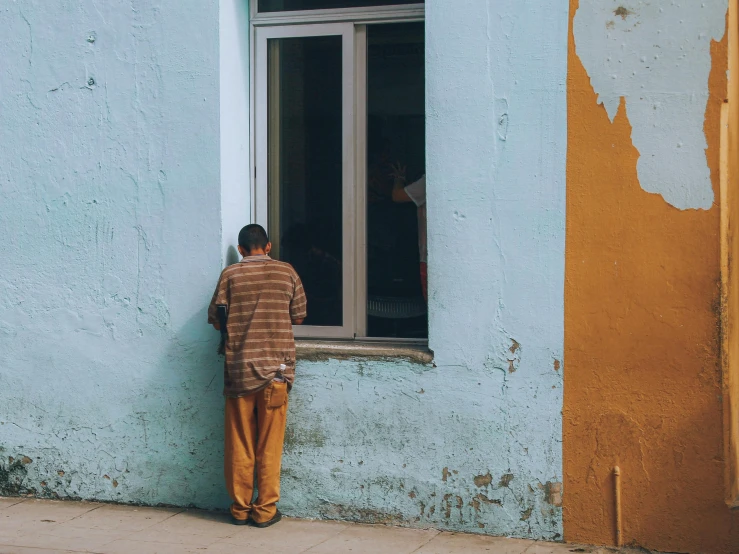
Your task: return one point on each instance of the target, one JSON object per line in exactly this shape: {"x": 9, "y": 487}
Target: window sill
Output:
{"x": 320, "y": 350}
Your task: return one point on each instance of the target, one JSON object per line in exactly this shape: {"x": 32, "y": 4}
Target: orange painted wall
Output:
{"x": 642, "y": 340}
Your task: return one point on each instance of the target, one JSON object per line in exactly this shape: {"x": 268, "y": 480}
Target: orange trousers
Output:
{"x": 255, "y": 433}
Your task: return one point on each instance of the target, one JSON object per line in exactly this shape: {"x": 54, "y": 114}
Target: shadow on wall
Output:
{"x": 232, "y": 256}
{"x": 192, "y": 445}
{"x": 190, "y": 415}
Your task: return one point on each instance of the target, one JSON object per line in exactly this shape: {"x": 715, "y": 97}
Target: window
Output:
{"x": 396, "y": 131}
{"x": 305, "y": 166}
{"x": 339, "y": 121}
{"x": 296, "y": 5}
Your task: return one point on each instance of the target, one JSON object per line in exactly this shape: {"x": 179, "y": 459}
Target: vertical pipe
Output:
{"x": 617, "y": 495}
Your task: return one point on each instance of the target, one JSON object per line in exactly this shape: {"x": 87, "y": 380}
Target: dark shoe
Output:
{"x": 275, "y": 519}
{"x": 239, "y": 521}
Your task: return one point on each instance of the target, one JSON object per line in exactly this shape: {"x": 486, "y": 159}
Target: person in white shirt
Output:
{"x": 416, "y": 193}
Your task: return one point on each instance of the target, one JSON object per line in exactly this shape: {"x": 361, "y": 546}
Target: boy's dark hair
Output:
{"x": 253, "y": 237}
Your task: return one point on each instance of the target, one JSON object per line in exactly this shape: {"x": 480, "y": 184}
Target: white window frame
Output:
{"x": 347, "y": 34}
{"x": 351, "y": 24}
{"x": 378, "y": 14}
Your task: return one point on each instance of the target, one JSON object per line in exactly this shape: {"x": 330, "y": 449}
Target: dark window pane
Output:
{"x": 305, "y": 167}
{"x": 395, "y": 230}
{"x": 296, "y": 5}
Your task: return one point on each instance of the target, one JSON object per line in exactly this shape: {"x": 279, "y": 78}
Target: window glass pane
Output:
{"x": 305, "y": 167}
{"x": 295, "y": 5}
{"x": 396, "y": 224}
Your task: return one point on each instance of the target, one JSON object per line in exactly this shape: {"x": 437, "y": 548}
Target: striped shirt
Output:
{"x": 263, "y": 296}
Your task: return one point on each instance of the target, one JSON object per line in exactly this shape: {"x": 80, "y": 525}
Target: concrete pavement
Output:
{"x": 45, "y": 526}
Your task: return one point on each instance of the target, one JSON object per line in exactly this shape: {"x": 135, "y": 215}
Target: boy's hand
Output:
{"x": 398, "y": 172}
{"x": 298, "y": 321}
{"x": 217, "y": 325}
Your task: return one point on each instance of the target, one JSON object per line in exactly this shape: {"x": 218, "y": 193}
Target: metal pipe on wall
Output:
{"x": 617, "y": 496}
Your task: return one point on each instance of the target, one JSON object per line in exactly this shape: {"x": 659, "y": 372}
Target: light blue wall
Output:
{"x": 110, "y": 208}
{"x": 400, "y": 442}
{"x": 115, "y": 211}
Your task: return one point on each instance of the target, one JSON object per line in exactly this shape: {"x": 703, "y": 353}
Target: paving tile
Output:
{"x": 452, "y": 543}
{"x": 226, "y": 548}
{"x": 126, "y": 546}
{"x": 286, "y": 537}
{"x": 156, "y": 535}
{"x": 61, "y": 537}
{"x": 190, "y": 528}
{"x": 122, "y": 518}
{"x": 8, "y": 501}
{"x": 35, "y": 511}
{"x": 38, "y": 526}
{"x": 358, "y": 539}
{"x": 200, "y": 522}
{"x": 554, "y": 548}
{"x": 22, "y": 550}
{"x": 34, "y": 516}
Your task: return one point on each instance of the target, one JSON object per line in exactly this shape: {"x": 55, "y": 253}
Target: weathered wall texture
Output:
{"x": 112, "y": 209}
{"x": 473, "y": 443}
{"x": 643, "y": 387}
{"x": 110, "y": 202}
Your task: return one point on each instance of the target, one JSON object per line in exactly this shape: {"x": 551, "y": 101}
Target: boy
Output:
{"x": 263, "y": 299}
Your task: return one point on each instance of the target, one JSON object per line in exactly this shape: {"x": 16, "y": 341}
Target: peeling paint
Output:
{"x": 622, "y": 12}
{"x": 657, "y": 58}
{"x": 483, "y": 480}
{"x": 505, "y": 480}
{"x": 448, "y": 505}
{"x": 351, "y": 513}
{"x": 486, "y": 500}
{"x": 553, "y": 493}
{"x": 365, "y": 417}
{"x": 514, "y": 356}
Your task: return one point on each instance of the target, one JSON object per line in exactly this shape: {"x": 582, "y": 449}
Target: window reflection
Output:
{"x": 305, "y": 167}
{"x": 396, "y": 306}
